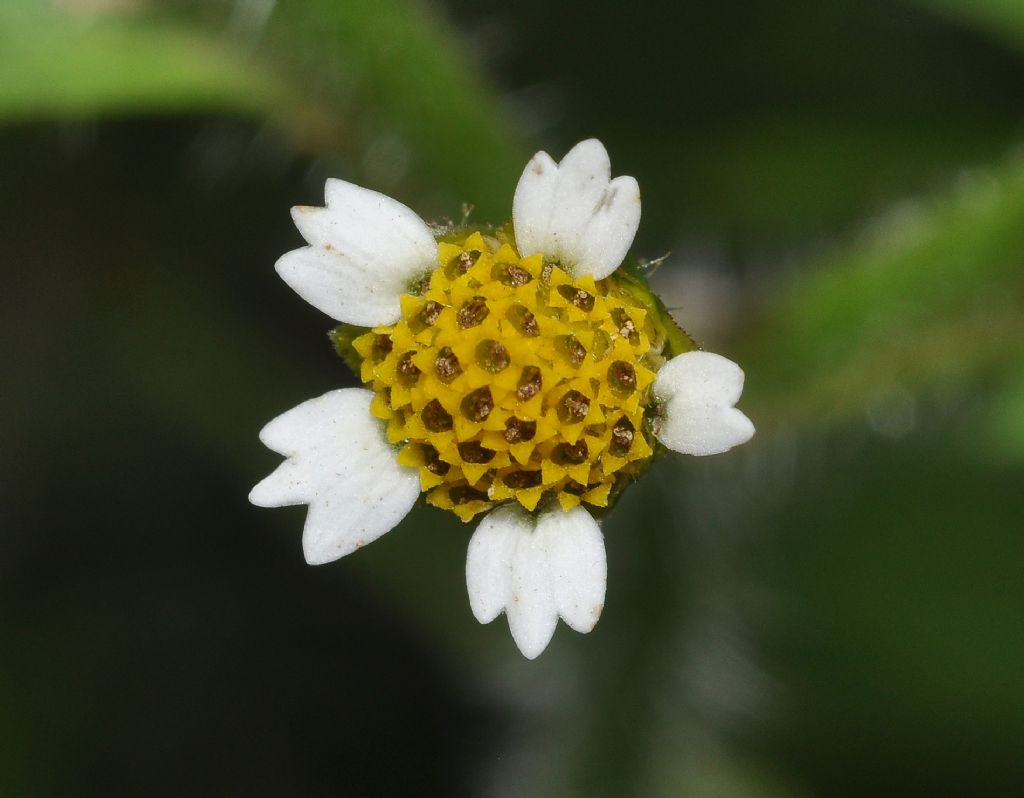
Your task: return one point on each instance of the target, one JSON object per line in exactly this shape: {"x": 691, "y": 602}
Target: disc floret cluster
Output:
{"x": 508, "y": 379}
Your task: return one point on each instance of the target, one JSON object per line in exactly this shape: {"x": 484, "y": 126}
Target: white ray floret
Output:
{"x": 365, "y": 250}
{"x": 338, "y": 463}
{"x": 536, "y": 570}
{"x": 699, "y": 390}
{"x": 574, "y": 213}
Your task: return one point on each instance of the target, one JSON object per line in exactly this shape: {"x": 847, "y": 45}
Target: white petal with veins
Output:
{"x": 364, "y": 251}
{"x": 699, "y": 390}
{"x": 338, "y": 463}
{"x": 573, "y": 213}
{"x": 536, "y": 571}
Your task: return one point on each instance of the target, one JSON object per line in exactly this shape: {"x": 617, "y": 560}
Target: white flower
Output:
{"x": 699, "y": 390}
{"x": 536, "y": 571}
{"x": 365, "y": 251}
{"x": 573, "y": 212}
{"x": 341, "y": 466}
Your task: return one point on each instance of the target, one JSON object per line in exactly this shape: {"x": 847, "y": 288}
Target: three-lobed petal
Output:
{"x": 574, "y": 213}
{"x": 338, "y": 463}
{"x": 365, "y": 249}
{"x": 699, "y": 390}
{"x": 536, "y": 570}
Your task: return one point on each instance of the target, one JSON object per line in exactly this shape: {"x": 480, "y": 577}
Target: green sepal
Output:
{"x": 632, "y": 277}
{"x": 623, "y": 479}
{"x": 342, "y": 337}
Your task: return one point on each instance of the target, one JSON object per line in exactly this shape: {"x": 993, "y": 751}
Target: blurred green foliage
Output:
{"x": 933, "y": 290}
{"x": 61, "y": 64}
{"x": 1001, "y": 18}
{"x": 832, "y": 611}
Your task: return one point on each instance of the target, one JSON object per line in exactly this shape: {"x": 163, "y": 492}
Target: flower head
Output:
{"x": 520, "y": 372}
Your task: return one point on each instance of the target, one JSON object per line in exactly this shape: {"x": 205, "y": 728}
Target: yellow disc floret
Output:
{"x": 506, "y": 379}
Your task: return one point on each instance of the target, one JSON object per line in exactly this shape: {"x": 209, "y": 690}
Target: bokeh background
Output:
{"x": 835, "y": 609}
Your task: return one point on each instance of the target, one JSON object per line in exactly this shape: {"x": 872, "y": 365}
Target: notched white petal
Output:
{"x": 489, "y": 561}
{"x": 537, "y": 570}
{"x": 572, "y": 212}
{"x": 699, "y": 390}
{"x": 531, "y": 610}
{"x": 338, "y": 463}
{"x": 364, "y": 250}
{"x": 577, "y": 567}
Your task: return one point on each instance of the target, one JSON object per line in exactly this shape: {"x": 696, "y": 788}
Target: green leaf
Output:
{"x": 1003, "y": 19}
{"x": 376, "y": 84}
{"x": 935, "y": 290}
{"x": 60, "y": 64}
{"x": 1002, "y": 425}
{"x": 415, "y": 75}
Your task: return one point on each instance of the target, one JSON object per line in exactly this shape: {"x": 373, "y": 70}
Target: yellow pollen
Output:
{"x": 507, "y": 379}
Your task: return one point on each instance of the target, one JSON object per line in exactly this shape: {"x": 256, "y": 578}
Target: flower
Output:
{"x": 520, "y": 373}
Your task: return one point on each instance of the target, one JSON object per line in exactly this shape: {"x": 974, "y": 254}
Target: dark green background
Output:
{"x": 833, "y": 610}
